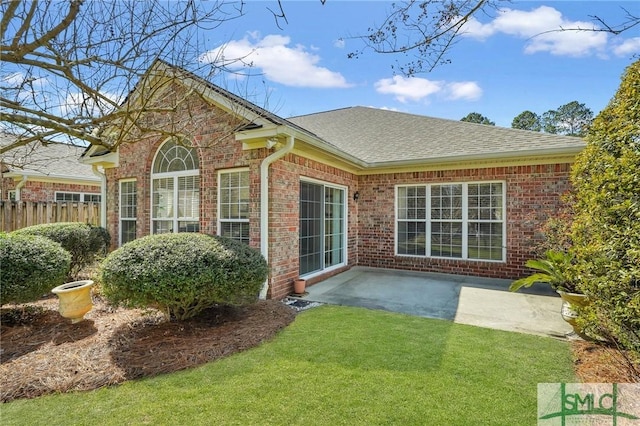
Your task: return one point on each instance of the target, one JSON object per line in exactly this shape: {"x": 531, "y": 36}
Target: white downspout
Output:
{"x": 103, "y": 195}
{"x": 264, "y": 204}
{"x": 20, "y": 185}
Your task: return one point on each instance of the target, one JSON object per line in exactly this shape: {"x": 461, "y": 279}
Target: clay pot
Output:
{"x": 74, "y": 299}
{"x": 299, "y": 286}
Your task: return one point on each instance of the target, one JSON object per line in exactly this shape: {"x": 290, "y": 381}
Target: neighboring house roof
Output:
{"x": 378, "y": 136}
{"x": 53, "y": 161}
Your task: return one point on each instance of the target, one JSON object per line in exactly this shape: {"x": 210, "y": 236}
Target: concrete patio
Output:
{"x": 483, "y": 302}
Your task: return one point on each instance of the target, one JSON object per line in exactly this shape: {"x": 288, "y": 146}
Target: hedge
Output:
{"x": 183, "y": 274}
{"x": 32, "y": 266}
{"x": 85, "y": 242}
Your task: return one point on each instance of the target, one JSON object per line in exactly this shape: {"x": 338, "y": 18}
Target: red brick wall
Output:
{"x": 533, "y": 193}
{"x": 284, "y": 182}
{"x": 211, "y": 133}
{"x": 46, "y": 191}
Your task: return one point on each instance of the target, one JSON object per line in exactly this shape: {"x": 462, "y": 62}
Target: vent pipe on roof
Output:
{"x": 264, "y": 204}
{"x": 103, "y": 195}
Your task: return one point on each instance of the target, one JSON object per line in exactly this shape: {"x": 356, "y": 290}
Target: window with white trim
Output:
{"x": 77, "y": 197}
{"x": 452, "y": 220}
{"x": 233, "y": 204}
{"x": 12, "y": 195}
{"x": 175, "y": 189}
{"x": 128, "y": 211}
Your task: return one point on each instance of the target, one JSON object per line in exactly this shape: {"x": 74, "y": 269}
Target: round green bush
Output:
{"x": 183, "y": 274}
{"x": 85, "y": 242}
{"x": 31, "y": 266}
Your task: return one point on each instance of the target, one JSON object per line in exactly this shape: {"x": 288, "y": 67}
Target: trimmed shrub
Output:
{"x": 183, "y": 274}
{"x": 32, "y": 265}
{"x": 85, "y": 242}
{"x": 606, "y": 227}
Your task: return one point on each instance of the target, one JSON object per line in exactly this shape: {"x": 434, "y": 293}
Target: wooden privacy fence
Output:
{"x": 20, "y": 214}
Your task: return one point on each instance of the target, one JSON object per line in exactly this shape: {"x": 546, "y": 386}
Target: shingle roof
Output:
{"x": 53, "y": 159}
{"x": 380, "y": 136}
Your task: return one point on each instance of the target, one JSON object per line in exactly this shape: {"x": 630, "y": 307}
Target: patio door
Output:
{"x": 322, "y": 234}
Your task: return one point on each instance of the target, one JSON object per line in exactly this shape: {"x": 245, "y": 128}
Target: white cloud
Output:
{"x": 468, "y": 90}
{"x": 280, "y": 62}
{"x": 78, "y": 104}
{"x": 408, "y": 88}
{"x": 12, "y": 79}
{"x": 415, "y": 89}
{"x": 628, "y": 47}
{"x": 545, "y": 30}
{"x": 16, "y": 79}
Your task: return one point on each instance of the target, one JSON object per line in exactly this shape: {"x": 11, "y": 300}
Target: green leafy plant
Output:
{"x": 183, "y": 274}
{"x": 85, "y": 242}
{"x": 606, "y": 228}
{"x": 31, "y": 265}
{"x": 553, "y": 269}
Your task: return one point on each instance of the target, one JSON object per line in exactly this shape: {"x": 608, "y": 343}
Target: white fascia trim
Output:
{"x": 478, "y": 157}
{"x": 39, "y": 177}
{"x": 106, "y": 161}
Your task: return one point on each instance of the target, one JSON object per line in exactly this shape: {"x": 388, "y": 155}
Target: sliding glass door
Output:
{"x": 322, "y": 227}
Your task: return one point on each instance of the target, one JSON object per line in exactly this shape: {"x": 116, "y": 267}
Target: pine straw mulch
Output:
{"x": 42, "y": 353}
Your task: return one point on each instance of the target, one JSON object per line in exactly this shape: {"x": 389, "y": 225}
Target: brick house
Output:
{"x": 323, "y": 192}
{"x": 51, "y": 172}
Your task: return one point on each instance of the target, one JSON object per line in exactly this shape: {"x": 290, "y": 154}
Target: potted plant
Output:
{"x": 299, "y": 285}
{"x": 553, "y": 269}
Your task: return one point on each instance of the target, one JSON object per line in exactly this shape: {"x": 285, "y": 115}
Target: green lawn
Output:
{"x": 335, "y": 366}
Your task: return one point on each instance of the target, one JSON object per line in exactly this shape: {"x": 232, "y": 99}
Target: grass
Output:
{"x": 335, "y": 366}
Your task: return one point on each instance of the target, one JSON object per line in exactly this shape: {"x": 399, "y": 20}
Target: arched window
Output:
{"x": 175, "y": 189}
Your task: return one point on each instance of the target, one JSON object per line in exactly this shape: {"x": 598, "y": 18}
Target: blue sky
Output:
{"x": 500, "y": 68}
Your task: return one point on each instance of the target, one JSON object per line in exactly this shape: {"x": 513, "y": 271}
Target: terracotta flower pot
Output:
{"x": 299, "y": 286}
{"x": 74, "y": 299}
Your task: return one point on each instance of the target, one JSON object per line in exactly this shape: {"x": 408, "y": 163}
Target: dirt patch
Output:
{"x": 42, "y": 353}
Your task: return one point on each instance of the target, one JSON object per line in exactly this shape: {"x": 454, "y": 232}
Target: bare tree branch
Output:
{"x": 427, "y": 29}
{"x": 69, "y": 65}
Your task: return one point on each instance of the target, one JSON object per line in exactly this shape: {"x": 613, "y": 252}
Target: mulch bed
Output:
{"x": 42, "y": 353}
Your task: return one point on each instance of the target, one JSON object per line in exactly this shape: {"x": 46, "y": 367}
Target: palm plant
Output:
{"x": 552, "y": 269}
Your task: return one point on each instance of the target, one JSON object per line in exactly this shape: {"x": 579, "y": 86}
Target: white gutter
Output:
{"x": 103, "y": 195}
{"x": 264, "y": 204}
{"x": 19, "y": 186}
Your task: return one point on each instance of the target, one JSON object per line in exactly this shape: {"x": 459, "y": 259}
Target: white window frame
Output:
{"x": 12, "y": 195}
{"x": 82, "y": 196}
{"x": 121, "y": 204}
{"x": 345, "y": 218}
{"x": 465, "y": 220}
{"x": 220, "y": 207}
{"x": 174, "y": 177}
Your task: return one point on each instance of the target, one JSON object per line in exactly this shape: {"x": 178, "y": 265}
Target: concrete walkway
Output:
{"x": 483, "y": 302}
